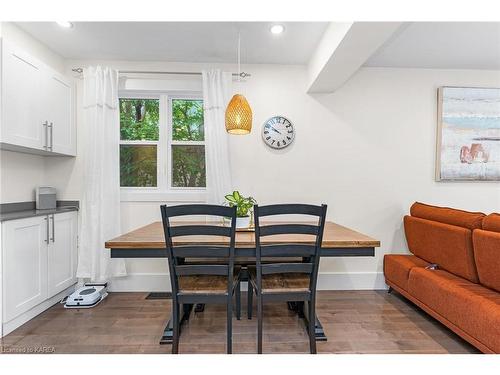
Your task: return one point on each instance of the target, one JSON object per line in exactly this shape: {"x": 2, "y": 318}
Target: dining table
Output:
{"x": 149, "y": 242}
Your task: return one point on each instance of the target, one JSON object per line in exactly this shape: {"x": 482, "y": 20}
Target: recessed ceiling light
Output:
{"x": 277, "y": 29}
{"x": 65, "y": 24}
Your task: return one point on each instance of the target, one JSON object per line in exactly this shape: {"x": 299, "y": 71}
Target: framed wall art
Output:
{"x": 468, "y": 138}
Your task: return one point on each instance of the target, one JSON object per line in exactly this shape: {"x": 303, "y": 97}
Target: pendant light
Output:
{"x": 238, "y": 111}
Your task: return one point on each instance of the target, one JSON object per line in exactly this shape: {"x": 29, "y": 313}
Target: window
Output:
{"x": 162, "y": 146}
{"x": 188, "y": 143}
{"x": 139, "y": 135}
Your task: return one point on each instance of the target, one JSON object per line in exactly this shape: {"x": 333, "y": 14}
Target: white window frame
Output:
{"x": 164, "y": 191}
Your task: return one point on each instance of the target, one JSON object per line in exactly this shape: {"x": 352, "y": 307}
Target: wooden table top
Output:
{"x": 151, "y": 237}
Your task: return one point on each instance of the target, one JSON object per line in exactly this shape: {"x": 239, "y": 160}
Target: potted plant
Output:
{"x": 244, "y": 207}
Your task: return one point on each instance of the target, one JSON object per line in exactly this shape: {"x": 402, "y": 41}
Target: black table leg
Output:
{"x": 318, "y": 329}
{"x": 166, "y": 338}
{"x": 168, "y": 331}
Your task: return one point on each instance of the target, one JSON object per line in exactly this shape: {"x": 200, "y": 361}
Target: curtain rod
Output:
{"x": 242, "y": 74}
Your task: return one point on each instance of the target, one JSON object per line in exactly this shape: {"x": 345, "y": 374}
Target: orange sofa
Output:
{"x": 463, "y": 292}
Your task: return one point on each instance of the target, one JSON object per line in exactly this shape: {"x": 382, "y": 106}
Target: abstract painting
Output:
{"x": 468, "y": 140}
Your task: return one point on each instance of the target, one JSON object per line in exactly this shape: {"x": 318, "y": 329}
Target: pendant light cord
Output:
{"x": 239, "y": 57}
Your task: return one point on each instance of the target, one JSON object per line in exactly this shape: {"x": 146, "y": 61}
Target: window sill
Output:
{"x": 169, "y": 196}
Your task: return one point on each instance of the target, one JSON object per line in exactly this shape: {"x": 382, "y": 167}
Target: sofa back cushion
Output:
{"x": 487, "y": 255}
{"x": 449, "y": 246}
{"x": 487, "y": 252}
{"x": 443, "y": 236}
{"x": 492, "y": 222}
{"x": 459, "y": 218}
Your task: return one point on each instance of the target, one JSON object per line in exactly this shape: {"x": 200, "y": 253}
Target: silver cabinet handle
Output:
{"x": 53, "y": 239}
{"x": 51, "y": 126}
{"x": 46, "y": 126}
{"x": 47, "y": 226}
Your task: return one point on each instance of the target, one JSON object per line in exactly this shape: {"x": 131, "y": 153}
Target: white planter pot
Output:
{"x": 243, "y": 222}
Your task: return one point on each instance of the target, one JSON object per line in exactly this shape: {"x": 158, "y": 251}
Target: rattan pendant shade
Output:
{"x": 238, "y": 116}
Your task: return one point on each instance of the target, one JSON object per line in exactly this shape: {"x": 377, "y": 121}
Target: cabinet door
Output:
{"x": 59, "y": 100}
{"x": 62, "y": 252}
{"x": 24, "y": 265}
{"x": 22, "y": 124}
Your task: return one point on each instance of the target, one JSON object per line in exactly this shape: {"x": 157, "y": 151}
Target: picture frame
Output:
{"x": 468, "y": 134}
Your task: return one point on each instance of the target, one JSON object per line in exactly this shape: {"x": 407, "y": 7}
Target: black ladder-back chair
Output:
{"x": 206, "y": 282}
{"x": 287, "y": 281}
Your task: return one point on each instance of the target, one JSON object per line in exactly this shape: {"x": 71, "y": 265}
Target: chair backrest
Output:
{"x": 177, "y": 253}
{"x": 309, "y": 252}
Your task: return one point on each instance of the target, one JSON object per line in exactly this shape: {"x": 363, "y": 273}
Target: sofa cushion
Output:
{"x": 460, "y": 218}
{"x": 492, "y": 222}
{"x": 397, "y": 268}
{"x": 487, "y": 256}
{"x": 471, "y": 307}
{"x": 449, "y": 246}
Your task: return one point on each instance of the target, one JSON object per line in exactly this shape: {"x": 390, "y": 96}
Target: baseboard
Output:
{"x": 160, "y": 282}
{"x": 18, "y": 321}
{"x": 351, "y": 281}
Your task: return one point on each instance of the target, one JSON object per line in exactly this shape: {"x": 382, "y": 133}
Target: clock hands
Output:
{"x": 275, "y": 130}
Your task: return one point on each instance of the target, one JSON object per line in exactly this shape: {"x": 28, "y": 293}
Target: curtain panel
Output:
{"x": 216, "y": 95}
{"x": 100, "y": 209}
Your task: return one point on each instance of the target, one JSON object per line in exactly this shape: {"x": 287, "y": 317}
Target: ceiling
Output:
{"x": 441, "y": 45}
{"x": 181, "y": 41}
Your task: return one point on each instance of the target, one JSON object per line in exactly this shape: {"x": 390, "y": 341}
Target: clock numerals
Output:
{"x": 278, "y": 132}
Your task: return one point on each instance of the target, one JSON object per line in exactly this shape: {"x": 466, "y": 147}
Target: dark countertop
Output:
{"x": 22, "y": 210}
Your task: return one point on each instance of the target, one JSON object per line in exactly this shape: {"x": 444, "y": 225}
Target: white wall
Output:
{"x": 31, "y": 45}
{"x": 367, "y": 150}
{"x": 21, "y": 173}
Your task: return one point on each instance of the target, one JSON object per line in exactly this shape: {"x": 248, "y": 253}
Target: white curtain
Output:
{"x": 216, "y": 95}
{"x": 100, "y": 208}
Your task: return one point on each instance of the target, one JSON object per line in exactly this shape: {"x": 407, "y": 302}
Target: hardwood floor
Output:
{"x": 354, "y": 321}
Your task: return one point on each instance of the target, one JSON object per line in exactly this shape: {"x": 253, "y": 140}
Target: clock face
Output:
{"x": 278, "y": 132}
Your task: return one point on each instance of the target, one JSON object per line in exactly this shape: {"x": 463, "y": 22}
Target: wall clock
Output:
{"x": 278, "y": 132}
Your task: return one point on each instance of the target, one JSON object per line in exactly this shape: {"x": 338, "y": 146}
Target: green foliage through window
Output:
{"x": 138, "y": 166}
{"x": 139, "y": 119}
{"x": 139, "y": 133}
{"x": 187, "y": 120}
{"x": 188, "y": 166}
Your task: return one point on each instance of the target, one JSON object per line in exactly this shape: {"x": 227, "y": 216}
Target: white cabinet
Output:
{"x": 21, "y": 99}
{"x": 58, "y": 113}
{"x": 38, "y": 260}
{"x": 37, "y": 106}
{"x": 24, "y": 265}
{"x": 61, "y": 252}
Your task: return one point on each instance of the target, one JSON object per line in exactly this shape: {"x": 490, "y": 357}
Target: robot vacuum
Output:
{"x": 89, "y": 295}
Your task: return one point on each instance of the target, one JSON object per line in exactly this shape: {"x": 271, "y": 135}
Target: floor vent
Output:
{"x": 159, "y": 295}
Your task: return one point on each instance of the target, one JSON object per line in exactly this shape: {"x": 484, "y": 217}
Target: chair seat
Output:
{"x": 206, "y": 284}
{"x": 281, "y": 282}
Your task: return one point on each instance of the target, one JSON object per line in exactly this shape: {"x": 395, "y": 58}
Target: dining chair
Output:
{"x": 287, "y": 281}
{"x": 208, "y": 282}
